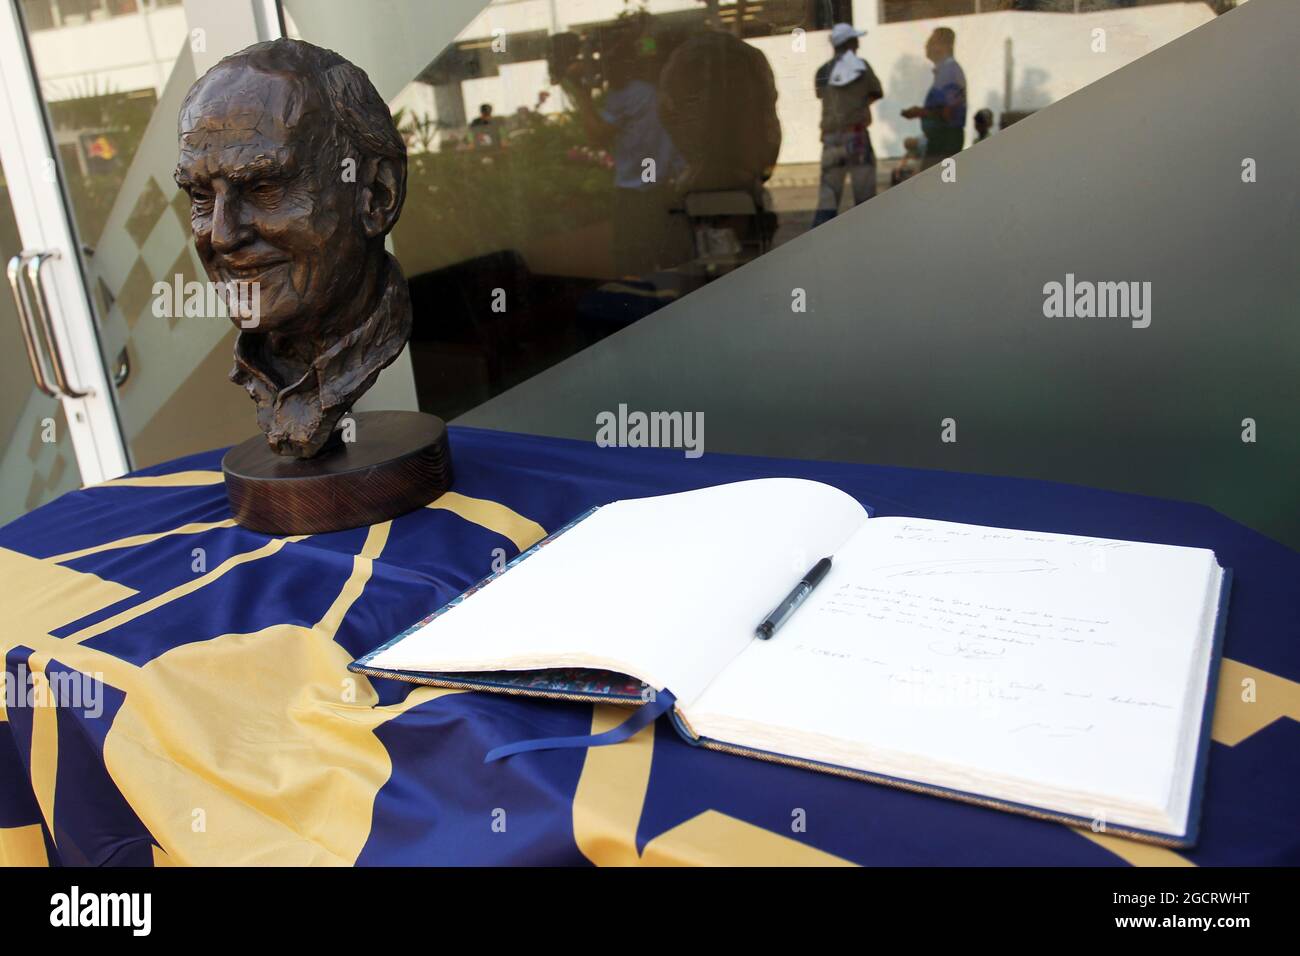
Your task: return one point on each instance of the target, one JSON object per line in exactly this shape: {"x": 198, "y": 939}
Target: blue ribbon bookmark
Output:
{"x": 643, "y": 716}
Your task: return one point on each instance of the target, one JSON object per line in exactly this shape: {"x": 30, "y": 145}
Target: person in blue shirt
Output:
{"x": 943, "y": 116}
{"x": 626, "y": 123}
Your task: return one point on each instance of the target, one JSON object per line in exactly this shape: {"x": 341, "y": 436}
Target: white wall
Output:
{"x": 122, "y": 54}
{"x": 557, "y": 15}
{"x": 1051, "y": 57}
{"x": 516, "y": 85}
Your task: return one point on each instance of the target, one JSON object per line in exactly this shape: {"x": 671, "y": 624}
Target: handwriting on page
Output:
{"x": 974, "y": 630}
{"x": 934, "y": 650}
{"x": 966, "y": 536}
{"x": 951, "y": 566}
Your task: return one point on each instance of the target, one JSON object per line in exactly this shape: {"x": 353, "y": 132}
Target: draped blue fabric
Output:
{"x": 99, "y": 796}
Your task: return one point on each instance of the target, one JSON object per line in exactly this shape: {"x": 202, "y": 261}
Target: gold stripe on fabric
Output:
{"x": 611, "y": 793}
{"x": 41, "y": 597}
{"x": 137, "y": 540}
{"x": 22, "y": 846}
{"x": 1249, "y": 699}
{"x": 715, "y": 839}
{"x": 1134, "y": 852}
{"x": 102, "y": 666}
{"x": 45, "y": 743}
{"x": 524, "y": 532}
{"x": 179, "y": 479}
{"x": 180, "y": 591}
{"x": 160, "y": 857}
{"x": 362, "y": 567}
{"x": 299, "y": 787}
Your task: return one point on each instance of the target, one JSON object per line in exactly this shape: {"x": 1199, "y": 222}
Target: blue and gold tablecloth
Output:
{"x": 227, "y": 730}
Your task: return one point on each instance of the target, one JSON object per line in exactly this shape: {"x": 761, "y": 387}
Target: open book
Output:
{"x": 1061, "y": 676}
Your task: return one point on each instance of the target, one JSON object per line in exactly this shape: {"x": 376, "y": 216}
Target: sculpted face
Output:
{"x": 269, "y": 203}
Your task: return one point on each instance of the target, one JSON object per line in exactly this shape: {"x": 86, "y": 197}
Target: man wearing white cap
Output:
{"x": 847, "y": 86}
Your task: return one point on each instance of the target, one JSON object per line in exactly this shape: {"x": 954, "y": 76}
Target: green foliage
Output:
{"x": 543, "y": 180}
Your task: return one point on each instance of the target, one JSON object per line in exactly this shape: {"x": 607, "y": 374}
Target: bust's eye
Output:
{"x": 200, "y": 200}
{"x": 265, "y": 190}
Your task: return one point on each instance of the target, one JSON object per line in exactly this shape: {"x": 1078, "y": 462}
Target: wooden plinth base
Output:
{"x": 398, "y": 462}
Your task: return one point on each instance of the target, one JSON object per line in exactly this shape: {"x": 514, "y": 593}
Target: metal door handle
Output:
{"x": 122, "y": 368}
{"x": 14, "y": 272}
{"x": 42, "y": 310}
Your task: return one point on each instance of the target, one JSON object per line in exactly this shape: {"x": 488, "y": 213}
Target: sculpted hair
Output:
{"x": 361, "y": 117}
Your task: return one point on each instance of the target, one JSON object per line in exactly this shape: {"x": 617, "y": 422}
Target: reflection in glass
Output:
{"x": 37, "y": 462}
{"x": 111, "y": 74}
{"x": 576, "y": 165}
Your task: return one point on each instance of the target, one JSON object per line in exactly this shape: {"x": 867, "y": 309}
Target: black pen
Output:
{"x": 796, "y": 597}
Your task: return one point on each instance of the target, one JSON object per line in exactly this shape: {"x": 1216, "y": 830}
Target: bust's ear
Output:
{"x": 383, "y": 187}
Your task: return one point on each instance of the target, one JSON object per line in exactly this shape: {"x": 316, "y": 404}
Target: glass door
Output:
{"x": 57, "y": 421}
{"x": 99, "y": 84}
{"x": 37, "y": 461}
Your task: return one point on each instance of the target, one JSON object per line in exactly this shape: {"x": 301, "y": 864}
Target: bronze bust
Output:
{"x": 296, "y": 173}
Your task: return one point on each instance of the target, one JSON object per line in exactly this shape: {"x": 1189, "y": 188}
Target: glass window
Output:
{"x": 37, "y": 461}
{"x": 576, "y": 165}
{"x": 38, "y": 14}
{"x": 894, "y": 11}
{"x": 112, "y": 74}
{"x": 73, "y": 12}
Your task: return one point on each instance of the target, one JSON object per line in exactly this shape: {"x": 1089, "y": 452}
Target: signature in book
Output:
{"x": 969, "y": 650}
{"x": 949, "y": 566}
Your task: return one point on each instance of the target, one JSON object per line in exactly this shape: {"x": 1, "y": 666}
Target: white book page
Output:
{"x": 667, "y": 589}
{"x": 1058, "y": 660}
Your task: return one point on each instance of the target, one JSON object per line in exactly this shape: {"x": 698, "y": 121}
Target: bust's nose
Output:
{"x": 229, "y": 231}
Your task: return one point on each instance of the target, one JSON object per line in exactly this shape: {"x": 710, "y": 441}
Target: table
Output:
{"x": 218, "y": 724}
